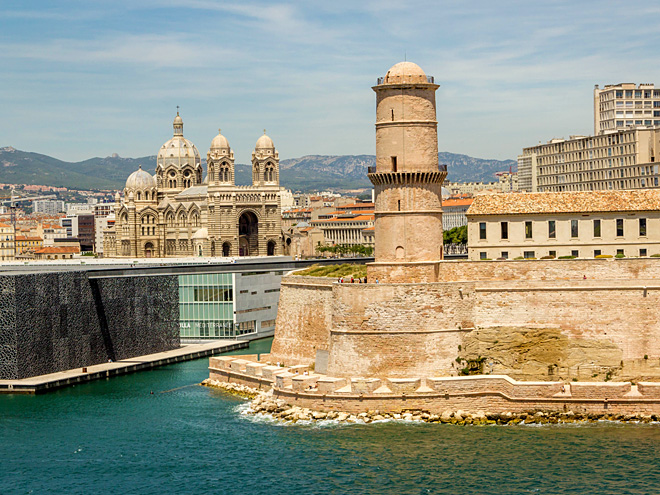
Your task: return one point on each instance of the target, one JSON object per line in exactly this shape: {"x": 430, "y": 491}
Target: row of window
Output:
{"x": 553, "y": 254}
{"x": 601, "y": 186}
{"x": 552, "y": 228}
{"x": 581, "y": 144}
{"x": 638, "y": 93}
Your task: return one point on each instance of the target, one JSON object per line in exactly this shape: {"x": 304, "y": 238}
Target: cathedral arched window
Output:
{"x": 146, "y": 195}
{"x": 139, "y": 195}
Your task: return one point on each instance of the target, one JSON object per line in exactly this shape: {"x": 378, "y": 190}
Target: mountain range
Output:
{"x": 305, "y": 174}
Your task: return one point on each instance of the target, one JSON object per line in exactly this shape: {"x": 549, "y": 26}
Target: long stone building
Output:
{"x": 175, "y": 213}
{"x": 576, "y": 224}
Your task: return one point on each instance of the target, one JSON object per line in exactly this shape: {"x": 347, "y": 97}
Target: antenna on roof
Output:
{"x": 405, "y": 56}
{"x": 177, "y": 109}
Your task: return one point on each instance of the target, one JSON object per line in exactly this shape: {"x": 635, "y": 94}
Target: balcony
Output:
{"x": 441, "y": 168}
{"x": 381, "y": 80}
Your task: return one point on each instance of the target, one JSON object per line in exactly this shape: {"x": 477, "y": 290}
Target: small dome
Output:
{"x": 140, "y": 180}
{"x": 264, "y": 142}
{"x": 178, "y": 119}
{"x": 219, "y": 142}
{"x": 202, "y": 233}
{"x": 405, "y": 72}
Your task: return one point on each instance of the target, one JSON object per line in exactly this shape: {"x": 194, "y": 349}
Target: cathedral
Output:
{"x": 175, "y": 213}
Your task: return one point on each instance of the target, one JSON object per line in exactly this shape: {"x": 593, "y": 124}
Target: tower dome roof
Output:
{"x": 178, "y": 151}
{"x": 405, "y": 72}
{"x": 264, "y": 142}
{"x": 219, "y": 142}
{"x": 140, "y": 180}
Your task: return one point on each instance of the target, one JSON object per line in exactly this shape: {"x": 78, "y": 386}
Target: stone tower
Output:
{"x": 407, "y": 178}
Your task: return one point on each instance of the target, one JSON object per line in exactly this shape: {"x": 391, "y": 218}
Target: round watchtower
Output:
{"x": 407, "y": 178}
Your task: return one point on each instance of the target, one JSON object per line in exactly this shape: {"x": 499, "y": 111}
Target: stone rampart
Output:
{"x": 304, "y": 319}
{"x": 492, "y": 393}
{"x": 531, "y": 320}
{"x": 511, "y": 270}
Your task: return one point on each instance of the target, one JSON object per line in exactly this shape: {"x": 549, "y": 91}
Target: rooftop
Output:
{"x": 566, "y": 202}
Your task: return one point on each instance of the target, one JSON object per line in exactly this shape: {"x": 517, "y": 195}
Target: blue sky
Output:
{"x": 81, "y": 79}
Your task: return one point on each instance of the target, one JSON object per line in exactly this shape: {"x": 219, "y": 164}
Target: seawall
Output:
{"x": 497, "y": 394}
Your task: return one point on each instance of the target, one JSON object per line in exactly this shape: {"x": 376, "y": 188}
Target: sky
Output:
{"x": 80, "y": 79}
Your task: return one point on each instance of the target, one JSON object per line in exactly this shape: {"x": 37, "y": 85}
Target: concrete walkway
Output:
{"x": 52, "y": 381}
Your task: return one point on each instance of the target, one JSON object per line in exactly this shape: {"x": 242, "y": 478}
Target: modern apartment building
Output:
{"x": 48, "y": 206}
{"x": 624, "y": 159}
{"x": 620, "y": 106}
{"x": 620, "y": 155}
{"x": 576, "y": 224}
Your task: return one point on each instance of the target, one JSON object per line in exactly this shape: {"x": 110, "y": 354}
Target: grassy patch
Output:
{"x": 335, "y": 271}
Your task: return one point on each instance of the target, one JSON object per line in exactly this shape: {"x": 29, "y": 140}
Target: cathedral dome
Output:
{"x": 264, "y": 142}
{"x": 219, "y": 142}
{"x": 405, "y": 72}
{"x": 140, "y": 180}
{"x": 178, "y": 151}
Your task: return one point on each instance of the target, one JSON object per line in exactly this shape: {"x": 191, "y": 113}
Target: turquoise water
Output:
{"x": 116, "y": 437}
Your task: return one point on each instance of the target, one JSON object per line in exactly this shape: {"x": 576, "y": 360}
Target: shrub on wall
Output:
{"x": 619, "y": 255}
{"x": 567, "y": 257}
{"x": 601, "y": 256}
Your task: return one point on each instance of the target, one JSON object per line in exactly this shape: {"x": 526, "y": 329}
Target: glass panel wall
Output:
{"x": 206, "y": 306}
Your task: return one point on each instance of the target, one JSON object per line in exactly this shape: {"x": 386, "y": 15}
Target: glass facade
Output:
{"x": 206, "y": 306}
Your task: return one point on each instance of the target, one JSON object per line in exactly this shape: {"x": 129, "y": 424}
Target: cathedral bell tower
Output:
{"x": 407, "y": 178}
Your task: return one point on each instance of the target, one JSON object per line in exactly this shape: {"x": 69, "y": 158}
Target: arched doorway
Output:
{"x": 226, "y": 249}
{"x": 212, "y": 248}
{"x": 148, "y": 250}
{"x": 248, "y": 231}
{"x": 270, "y": 248}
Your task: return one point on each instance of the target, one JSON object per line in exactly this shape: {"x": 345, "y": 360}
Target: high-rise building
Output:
{"x": 625, "y": 105}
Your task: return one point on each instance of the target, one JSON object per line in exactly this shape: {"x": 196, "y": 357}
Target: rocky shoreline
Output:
{"x": 265, "y": 404}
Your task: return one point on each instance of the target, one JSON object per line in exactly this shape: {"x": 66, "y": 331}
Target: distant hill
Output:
{"x": 307, "y": 173}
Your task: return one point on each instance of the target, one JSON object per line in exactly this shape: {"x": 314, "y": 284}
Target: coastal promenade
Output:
{"x": 52, "y": 381}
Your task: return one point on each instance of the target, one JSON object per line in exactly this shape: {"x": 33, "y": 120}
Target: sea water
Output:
{"x": 116, "y": 436}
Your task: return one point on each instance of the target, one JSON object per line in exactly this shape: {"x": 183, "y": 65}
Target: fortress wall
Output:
{"x": 304, "y": 319}
{"x": 472, "y": 394}
{"x": 532, "y": 320}
{"x": 455, "y": 270}
{"x": 598, "y": 269}
{"x": 421, "y": 272}
{"x": 398, "y": 330}
{"x": 525, "y": 331}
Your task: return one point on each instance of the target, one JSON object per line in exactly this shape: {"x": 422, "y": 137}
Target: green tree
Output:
{"x": 457, "y": 235}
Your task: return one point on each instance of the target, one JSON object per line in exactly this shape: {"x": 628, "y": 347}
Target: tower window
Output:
{"x": 399, "y": 205}
{"x": 392, "y": 115}
{"x": 394, "y": 164}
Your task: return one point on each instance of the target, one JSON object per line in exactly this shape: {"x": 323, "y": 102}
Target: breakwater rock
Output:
{"x": 232, "y": 388}
{"x": 267, "y": 404}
